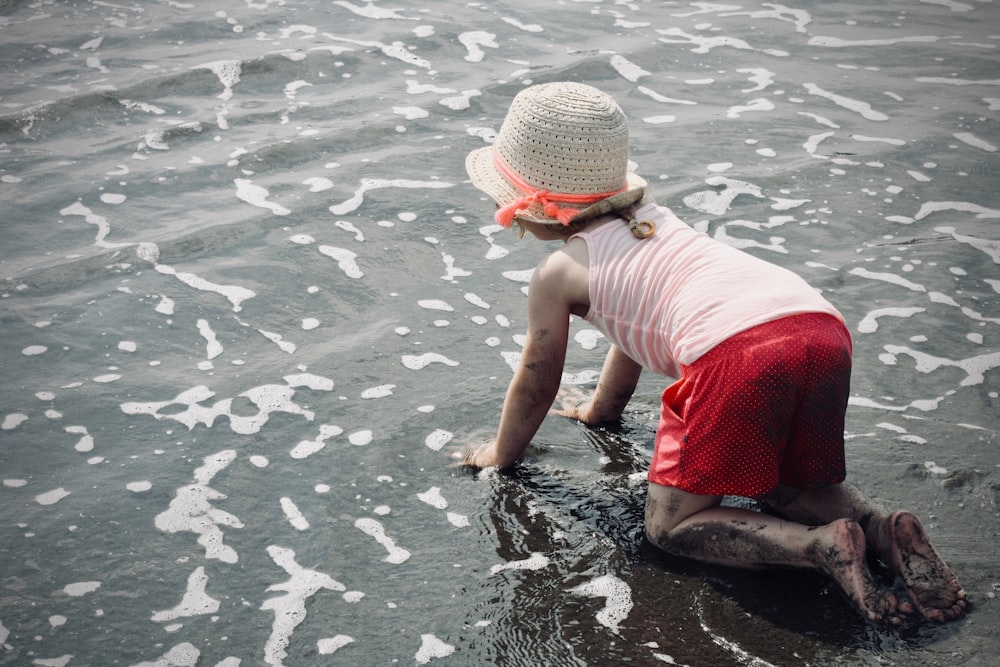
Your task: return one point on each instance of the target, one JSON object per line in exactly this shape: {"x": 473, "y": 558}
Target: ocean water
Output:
{"x": 251, "y": 307}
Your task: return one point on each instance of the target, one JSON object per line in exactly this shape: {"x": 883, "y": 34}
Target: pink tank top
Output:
{"x": 669, "y": 299}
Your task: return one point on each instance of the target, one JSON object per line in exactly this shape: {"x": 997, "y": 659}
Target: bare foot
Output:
{"x": 932, "y": 586}
{"x": 842, "y": 555}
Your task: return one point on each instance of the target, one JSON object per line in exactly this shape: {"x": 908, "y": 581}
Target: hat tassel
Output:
{"x": 505, "y": 214}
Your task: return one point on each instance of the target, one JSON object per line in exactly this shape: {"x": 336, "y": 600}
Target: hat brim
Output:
{"x": 486, "y": 177}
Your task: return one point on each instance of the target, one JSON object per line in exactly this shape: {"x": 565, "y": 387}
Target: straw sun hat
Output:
{"x": 561, "y": 152}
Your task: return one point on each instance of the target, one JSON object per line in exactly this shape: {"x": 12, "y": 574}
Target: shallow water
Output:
{"x": 251, "y": 305}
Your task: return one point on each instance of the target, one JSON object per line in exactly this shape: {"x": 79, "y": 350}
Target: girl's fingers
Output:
{"x": 571, "y": 397}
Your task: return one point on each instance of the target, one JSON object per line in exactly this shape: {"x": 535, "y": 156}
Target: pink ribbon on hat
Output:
{"x": 550, "y": 201}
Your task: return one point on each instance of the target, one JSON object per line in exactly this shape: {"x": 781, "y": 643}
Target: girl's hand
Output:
{"x": 573, "y": 403}
{"x": 475, "y": 455}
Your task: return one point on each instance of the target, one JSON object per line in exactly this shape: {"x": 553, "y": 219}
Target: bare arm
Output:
{"x": 617, "y": 383}
{"x": 539, "y": 373}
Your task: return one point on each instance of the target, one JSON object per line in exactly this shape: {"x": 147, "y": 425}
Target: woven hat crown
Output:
{"x": 566, "y": 138}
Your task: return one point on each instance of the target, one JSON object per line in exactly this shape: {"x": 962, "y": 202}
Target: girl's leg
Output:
{"x": 696, "y": 527}
{"x": 898, "y": 538}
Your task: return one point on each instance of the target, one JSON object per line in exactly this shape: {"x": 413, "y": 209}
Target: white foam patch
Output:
{"x": 191, "y": 510}
{"x": 884, "y": 140}
{"x": 34, "y": 350}
{"x": 535, "y": 561}
{"x": 182, "y": 655}
{"x": 318, "y": 183}
{"x": 417, "y": 362}
{"x": 451, "y": 271}
{"x": 704, "y": 44}
{"x": 345, "y": 260}
{"x": 476, "y": 301}
{"x": 257, "y": 196}
{"x": 430, "y": 648}
{"x": 85, "y": 443}
{"x": 627, "y": 69}
{"x": 293, "y": 514}
{"x": 857, "y": 106}
{"x": 781, "y": 204}
{"x": 290, "y": 607}
{"x": 330, "y": 645}
{"x": 812, "y": 144}
{"x": 838, "y": 43}
{"x": 360, "y": 438}
{"x": 981, "y": 212}
{"x": 213, "y": 347}
{"x": 349, "y": 227}
{"x": 891, "y": 278}
{"x": 433, "y": 497}
{"x": 139, "y": 487}
{"x": 526, "y": 27}
{"x": 717, "y": 202}
{"x": 306, "y": 448}
{"x": 234, "y": 293}
{"x": 438, "y": 439}
{"x": 869, "y": 323}
{"x": 759, "y": 104}
{"x": 460, "y": 102}
{"x": 81, "y": 588}
{"x": 663, "y": 98}
{"x": 51, "y": 497}
{"x": 13, "y": 420}
{"x": 166, "y": 306}
{"x": 473, "y": 41}
{"x": 760, "y": 77}
{"x": 267, "y": 398}
{"x": 975, "y": 367}
{"x": 374, "y": 529}
{"x": 410, "y": 113}
{"x": 512, "y": 359}
{"x": 618, "y": 599}
{"x": 416, "y": 88}
{"x": 659, "y": 120}
{"x": 435, "y": 304}
{"x": 99, "y": 221}
{"x": 369, "y": 184}
{"x": 380, "y": 391}
{"x": 976, "y": 142}
{"x": 309, "y": 380}
{"x": 397, "y": 50}
{"x": 588, "y": 338}
{"x": 195, "y": 601}
{"x": 228, "y": 73}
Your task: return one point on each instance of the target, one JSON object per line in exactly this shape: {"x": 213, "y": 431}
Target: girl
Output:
{"x": 762, "y": 360}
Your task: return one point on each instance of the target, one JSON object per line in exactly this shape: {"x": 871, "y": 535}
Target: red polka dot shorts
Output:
{"x": 762, "y": 408}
